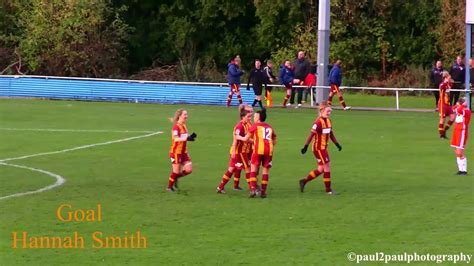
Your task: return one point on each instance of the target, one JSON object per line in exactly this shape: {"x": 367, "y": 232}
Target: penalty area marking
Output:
{"x": 80, "y": 147}
{"x": 75, "y": 130}
{"x": 59, "y": 179}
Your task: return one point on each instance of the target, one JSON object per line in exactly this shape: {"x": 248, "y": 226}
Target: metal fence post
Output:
{"x": 398, "y": 101}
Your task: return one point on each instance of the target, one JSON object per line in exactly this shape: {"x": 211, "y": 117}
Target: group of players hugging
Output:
{"x": 460, "y": 115}
{"x": 252, "y": 147}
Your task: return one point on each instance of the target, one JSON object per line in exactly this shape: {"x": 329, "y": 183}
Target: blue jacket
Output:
{"x": 286, "y": 75}
{"x": 233, "y": 74}
{"x": 335, "y": 75}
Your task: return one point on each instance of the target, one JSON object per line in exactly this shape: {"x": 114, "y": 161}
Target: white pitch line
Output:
{"x": 79, "y": 147}
{"x": 74, "y": 130}
{"x": 59, "y": 181}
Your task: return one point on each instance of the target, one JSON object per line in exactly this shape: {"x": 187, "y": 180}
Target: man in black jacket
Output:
{"x": 436, "y": 78}
{"x": 458, "y": 75}
{"x": 258, "y": 78}
{"x": 302, "y": 68}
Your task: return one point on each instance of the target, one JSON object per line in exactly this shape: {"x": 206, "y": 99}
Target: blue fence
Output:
{"x": 117, "y": 90}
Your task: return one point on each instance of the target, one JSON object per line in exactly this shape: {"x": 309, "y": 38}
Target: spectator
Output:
{"x": 302, "y": 68}
{"x": 458, "y": 75}
{"x": 233, "y": 77}
{"x": 258, "y": 78}
{"x": 287, "y": 77}
{"x": 310, "y": 81}
{"x": 436, "y": 77}
{"x": 270, "y": 78}
{"x": 335, "y": 80}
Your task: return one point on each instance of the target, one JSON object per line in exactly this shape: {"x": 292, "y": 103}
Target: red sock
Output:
{"x": 327, "y": 181}
{"x": 441, "y": 129}
{"x": 253, "y": 181}
{"x": 172, "y": 179}
{"x": 225, "y": 179}
{"x": 286, "y": 100}
{"x": 450, "y": 123}
{"x": 312, "y": 175}
{"x": 239, "y": 98}
{"x": 330, "y": 98}
{"x": 341, "y": 99}
{"x": 247, "y": 178}
{"x": 264, "y": 183}
{"x": 237, "y": 177}
{"x": 229, "y": 98}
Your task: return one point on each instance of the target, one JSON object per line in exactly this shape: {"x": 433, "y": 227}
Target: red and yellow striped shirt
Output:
{"x": 322, "y": 130}
{"x": 263, "y": 138}
{"x": 241, "y": 129}
{"x": 178, "y": 131}
{"x": 444, "y": 88}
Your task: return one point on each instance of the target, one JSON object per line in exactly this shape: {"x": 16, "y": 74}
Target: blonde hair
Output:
{"x": 446, "y": 74}
{"x": 177, "y": 114}
{"x": 323, "y": 105}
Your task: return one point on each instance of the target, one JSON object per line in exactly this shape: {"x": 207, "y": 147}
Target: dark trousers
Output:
{"x": 436, "y": 95}
{"x": 300, "y": 95}
{"x": 454, "y": 95}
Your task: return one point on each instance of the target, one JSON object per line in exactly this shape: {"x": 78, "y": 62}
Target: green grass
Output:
{"x": 396, "y": 179}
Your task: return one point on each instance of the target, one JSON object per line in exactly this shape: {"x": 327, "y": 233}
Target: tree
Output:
{"x": 72, "y": 38}
{"x": 451, "y": 29}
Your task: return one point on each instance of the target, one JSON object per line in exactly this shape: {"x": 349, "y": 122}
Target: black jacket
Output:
{"x": 302, "y": 68}
{"x": 269, "y": 74}
{"x": 458, "y": 74}
{"x": 257, "y": 77}
{"x": 436, "y": 76}
{"x": 471, "y": 75}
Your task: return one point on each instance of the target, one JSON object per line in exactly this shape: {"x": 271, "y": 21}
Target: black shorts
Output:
{"x": 257, "y": 89}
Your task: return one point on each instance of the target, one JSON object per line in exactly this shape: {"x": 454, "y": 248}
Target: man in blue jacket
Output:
{"x": 233, "y": 77}
{"x": 335, "y": 80}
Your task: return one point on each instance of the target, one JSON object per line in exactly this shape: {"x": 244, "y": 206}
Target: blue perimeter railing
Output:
{"x": 168, "y": 92}
{"x": 118, "y": 90}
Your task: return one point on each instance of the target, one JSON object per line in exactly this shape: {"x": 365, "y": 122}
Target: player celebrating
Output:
{"x": 460, "y": 133}
{"x": 321, "y": 132}
{"x": 180, "y": 160}
{"x": 264, "y": 139}
{"x": 238, "y": 171}
{"x": 238, "y": 152}
{"x": 443, "y": 105}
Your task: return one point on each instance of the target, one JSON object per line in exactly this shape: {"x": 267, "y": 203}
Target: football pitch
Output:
{"x": 396, "y": 179}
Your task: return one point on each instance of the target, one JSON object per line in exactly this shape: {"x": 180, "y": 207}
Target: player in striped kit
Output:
{"x": 321, "y": 132}
{"x": 264, "y": 140}
{"x": 237, "y": 171}
{"x": 444, "y": 108}
{"x": 460, "y": 134}
{"x": 180, "y": 160}
{"x": 239, "y": 151}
